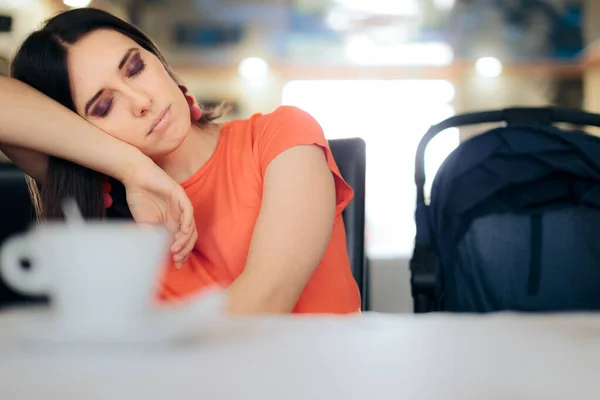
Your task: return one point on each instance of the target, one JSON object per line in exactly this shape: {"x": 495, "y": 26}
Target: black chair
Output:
{"x": 350, "y": 157}
{"x": 16, "y": 214}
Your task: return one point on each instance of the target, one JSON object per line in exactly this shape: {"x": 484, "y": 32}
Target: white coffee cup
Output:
{"x": 101, "y": 277}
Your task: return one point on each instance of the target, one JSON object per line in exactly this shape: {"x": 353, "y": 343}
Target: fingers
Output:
{"x": 186, "y": 250}
{"x": 184, "y": 240}
{"x": 187, "y": 225}
{"x": 181, "y": 212}
{"x": 182, "y": 247}
{"x": 179, "y": 242}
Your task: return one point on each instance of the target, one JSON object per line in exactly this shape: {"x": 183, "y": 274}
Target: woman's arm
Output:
{"x": 291, "y": 234}
{"x": 30, "y": 120}
{"x": 32, "y": 125}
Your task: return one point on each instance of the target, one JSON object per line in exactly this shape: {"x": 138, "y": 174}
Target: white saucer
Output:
{"x": 43, "y": 330}
{"x": 163, "y": 326}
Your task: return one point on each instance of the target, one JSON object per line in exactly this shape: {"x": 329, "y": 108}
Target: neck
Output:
{"x": 192, "y": 154}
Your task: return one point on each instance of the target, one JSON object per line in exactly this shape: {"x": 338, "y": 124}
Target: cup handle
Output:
{"x": 32, "y": 281}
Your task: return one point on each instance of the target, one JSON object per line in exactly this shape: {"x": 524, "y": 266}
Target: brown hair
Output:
{"x": 41, "y": 62}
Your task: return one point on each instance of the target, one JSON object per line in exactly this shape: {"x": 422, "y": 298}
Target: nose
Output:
{"x": 141, "y": 102}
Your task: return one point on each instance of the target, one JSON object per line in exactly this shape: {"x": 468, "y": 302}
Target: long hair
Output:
{"x": 41, "y": 62}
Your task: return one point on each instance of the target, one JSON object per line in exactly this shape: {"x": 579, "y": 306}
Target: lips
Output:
{"x": 160, "y": 121}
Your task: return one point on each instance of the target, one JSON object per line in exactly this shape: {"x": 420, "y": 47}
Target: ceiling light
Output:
{"x": 362, "y": 50}
{"x": 338, "y": 20}
{"x": 77, "y": 3}
{"x": 489, "y": 67}
{"x": 445, "y": 5}
{"x": 253, "y": 69}
{"x": 383, "y": 7}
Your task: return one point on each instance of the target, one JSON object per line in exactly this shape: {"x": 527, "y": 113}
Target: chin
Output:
{"x": 170, "y": 143}
{"x": 179, "y": 133}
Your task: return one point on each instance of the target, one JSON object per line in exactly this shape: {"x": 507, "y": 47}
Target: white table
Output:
{"x": 370, "y": 357}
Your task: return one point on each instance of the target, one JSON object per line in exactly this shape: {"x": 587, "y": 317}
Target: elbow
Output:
{"x": 248, "y": 297}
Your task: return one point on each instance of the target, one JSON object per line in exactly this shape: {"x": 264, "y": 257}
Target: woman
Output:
{"x": 266, "y": 192}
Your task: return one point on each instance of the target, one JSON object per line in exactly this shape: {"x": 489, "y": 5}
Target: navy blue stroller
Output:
{"x": 513, "y": 222}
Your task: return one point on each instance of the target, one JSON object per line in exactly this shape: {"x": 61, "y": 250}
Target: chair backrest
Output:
{"x": 350, "y": 157}
{"x": 16, "y": 214}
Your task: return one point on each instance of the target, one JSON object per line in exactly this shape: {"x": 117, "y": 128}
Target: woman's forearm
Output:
{"x": 248, "y": 294}
{"x": 30, "y": 120}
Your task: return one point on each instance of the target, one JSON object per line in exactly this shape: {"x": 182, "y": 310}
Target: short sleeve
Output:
{"x": 287, "y": 127}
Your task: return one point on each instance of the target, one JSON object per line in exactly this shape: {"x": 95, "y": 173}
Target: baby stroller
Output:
{"x": 513, "y": 222}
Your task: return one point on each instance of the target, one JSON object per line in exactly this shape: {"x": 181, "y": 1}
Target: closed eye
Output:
{"x": 102, "y": 107}
{"x": 136, "y": 66}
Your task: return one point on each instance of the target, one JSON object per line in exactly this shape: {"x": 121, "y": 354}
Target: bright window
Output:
{"x": 391, "y": 116}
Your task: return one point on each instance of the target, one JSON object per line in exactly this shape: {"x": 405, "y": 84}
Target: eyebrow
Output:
{"x": 99, "y": 93}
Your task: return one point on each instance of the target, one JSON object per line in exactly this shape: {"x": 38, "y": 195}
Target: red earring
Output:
{"x": 108, "y": 201}
{"x": 195, "y": 110}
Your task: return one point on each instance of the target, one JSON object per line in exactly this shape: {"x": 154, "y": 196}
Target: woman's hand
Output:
{"x": 155, "y": 198}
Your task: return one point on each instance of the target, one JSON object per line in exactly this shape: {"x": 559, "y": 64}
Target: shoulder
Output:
{"x": 286, "y": 112}
{"x": 282, "y": 120}
{"x": 285, "y": 127}
{"x": 286, "y": 118}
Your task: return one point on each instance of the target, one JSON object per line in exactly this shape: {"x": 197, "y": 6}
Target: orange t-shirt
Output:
{"x": 227, "y": 192}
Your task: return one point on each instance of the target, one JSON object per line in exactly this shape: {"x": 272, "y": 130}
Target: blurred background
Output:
{"x": 382, "y": 70}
